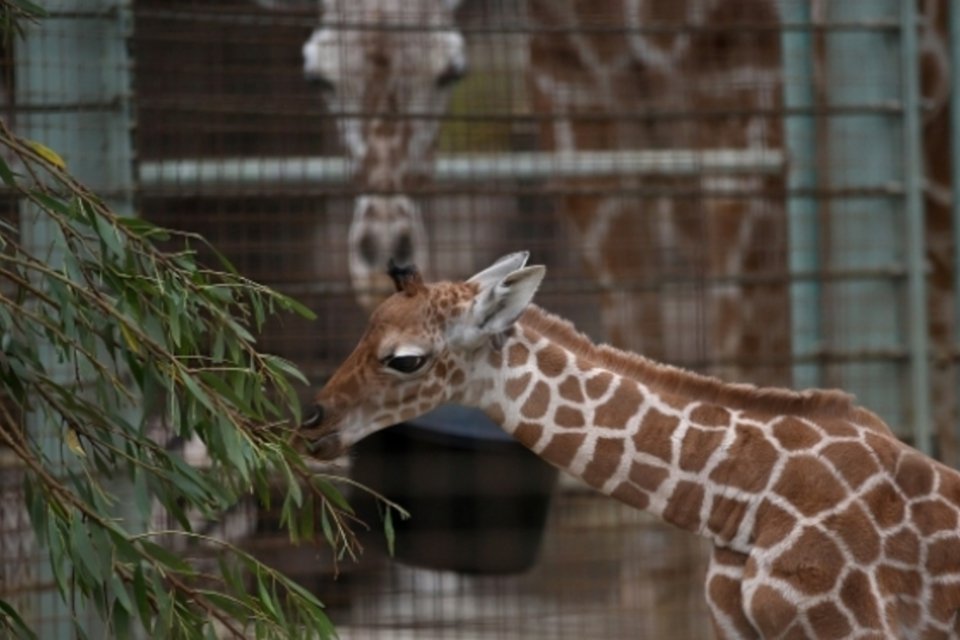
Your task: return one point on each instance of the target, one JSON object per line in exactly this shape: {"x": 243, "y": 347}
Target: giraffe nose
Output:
{"x": 315, "y": 419}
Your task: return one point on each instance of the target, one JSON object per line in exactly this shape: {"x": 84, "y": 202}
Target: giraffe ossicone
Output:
{"x": 823, "y": 524}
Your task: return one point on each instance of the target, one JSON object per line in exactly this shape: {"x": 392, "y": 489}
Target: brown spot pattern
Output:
{"x": 904, "y": 546}
{"x": 597, "y": 385}
{"x": 795, "y": 435}
{"x": 570, "y": 390}
{"x": 622, "y": 405}
{"x": 914, "y": 475}
{"x": 900, "y": 581}
{"x": 885, "y": 505}
{"x": 562, "y": 447}
{"x": 569, "y": 418}
{"x": 724, "y": 592}
{"x": 709, "y": 415}
{"x": 771, "y": 612}
{"x": 950, "y": 488}
{"x": 852, "y": 460}
{"x": 653, "y": 436}
{"x": 857, "y": 532}
{"x": 528, "y": 433}
{"x": 551, "y": 361}
{"x": 812, "y": 565}
{"x": 772, "y": 524}
{"x": 607, "y": 454}
{"x": 748, "y": 463}
{"x": 808, "y": 484}
{"x": 885, "y": 449}
{"x": 828, "y": 621}
{"x": 856, "y": 596}
{"x": 683, "y": 507}
{"x": 537, "y": 402}
{"x": 516, "y": 386}
{"x": 942, "y": 557}
{"x": 647, "y": 477}
{"x": 698, "y": 445}
{"x": 933, "y": 515}
{"x": 517, "y": 355}
{"x": 632, "y": 496}
{"x": 726, "y": 516}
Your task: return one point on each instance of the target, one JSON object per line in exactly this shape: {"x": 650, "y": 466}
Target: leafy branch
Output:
{"x": 103, "y": 335}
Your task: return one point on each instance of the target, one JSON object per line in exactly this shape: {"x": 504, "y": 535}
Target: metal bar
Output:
{"x": 919, "y": 339}
{"x": 308, "y": 18}
{"x": 521, "y": 166}
{"x": 891, "y": 108}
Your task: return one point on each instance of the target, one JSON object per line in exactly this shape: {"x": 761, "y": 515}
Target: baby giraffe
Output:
{"x": 823, "y": 524}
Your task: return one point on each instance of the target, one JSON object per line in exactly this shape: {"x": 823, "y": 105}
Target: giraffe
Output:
{"x": 698, "y": 80}
{"x": 385, "y": 69}
{"x": 822, "y": 523}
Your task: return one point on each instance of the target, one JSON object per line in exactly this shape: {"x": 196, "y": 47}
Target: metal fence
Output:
{"x": 758, "y": 189}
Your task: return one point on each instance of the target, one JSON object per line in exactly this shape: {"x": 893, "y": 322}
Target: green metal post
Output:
{"x": 868, "y": 318}
{"x": 73, "y": 94}
{"x": 802, "y": 208}
{"x": 918, "y": 326}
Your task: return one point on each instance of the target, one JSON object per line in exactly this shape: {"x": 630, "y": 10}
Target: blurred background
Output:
{"x": 760, "y": 190}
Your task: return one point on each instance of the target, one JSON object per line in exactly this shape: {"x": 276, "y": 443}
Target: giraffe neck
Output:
{"x": 656, "y": 437}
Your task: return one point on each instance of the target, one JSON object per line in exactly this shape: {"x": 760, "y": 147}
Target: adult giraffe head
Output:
{"x": 424, "y": 346}
{"x": 386, "y": 68}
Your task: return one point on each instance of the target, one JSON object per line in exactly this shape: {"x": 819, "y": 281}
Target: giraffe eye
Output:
{"x": 405, "y": 364}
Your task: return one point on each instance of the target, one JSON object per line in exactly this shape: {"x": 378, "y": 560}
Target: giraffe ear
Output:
{"x": 496, "y": 307}
{"x": 500, "y": 269}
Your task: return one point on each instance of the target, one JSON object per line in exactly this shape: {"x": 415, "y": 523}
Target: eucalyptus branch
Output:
{"x": 108, "y": 302}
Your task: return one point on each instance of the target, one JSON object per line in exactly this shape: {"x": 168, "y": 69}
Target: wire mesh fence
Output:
{"x": 756, "y": 189}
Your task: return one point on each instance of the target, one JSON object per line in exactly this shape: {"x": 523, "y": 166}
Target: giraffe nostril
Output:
{"x": 368, "y": 250}
{"x": 315, "y": 419}
{"x": 403, "y": 249}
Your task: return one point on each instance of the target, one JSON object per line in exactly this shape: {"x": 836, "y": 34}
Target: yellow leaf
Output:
{"x": 47, "y": 154}
{"x": 73, "y": 443}
{"x": 130, "y": 339}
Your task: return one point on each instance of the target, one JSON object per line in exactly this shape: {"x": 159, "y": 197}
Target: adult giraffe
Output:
{"x": 386, "y": 68}
{"x": 597, "y": 81}
{"x": 668, "y": 74}
{"x": 823, "y": 524}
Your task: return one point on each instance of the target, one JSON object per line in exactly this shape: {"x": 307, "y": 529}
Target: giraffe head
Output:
{"x": 386, "y": 68}
{"x": 422, "y": 347}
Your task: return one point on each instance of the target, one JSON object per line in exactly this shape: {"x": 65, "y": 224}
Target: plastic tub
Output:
{"x": 478, "y": 499}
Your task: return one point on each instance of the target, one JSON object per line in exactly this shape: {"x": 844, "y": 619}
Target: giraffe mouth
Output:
{"x": 325, "y": 447}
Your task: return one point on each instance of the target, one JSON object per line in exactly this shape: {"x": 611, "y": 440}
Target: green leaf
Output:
{"x": 140, "y": 594}
{"x": 332, "y": 494}
{"x": 285, "y": 367}
{"x": 82, "y": 549}
{"x": 6, "y": 174}
{"x": 388, "y": 531}
{"x": 164, "y": 557}
{"x": 11, "y": 619}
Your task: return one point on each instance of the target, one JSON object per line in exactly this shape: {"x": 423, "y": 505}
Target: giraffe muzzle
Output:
{"x": 318, "y": 442}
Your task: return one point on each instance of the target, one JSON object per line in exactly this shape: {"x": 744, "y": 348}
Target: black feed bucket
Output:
{"x": 478, "y": 499}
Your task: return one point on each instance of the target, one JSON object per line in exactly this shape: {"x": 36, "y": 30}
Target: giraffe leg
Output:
{"x": 724, "y": 596}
